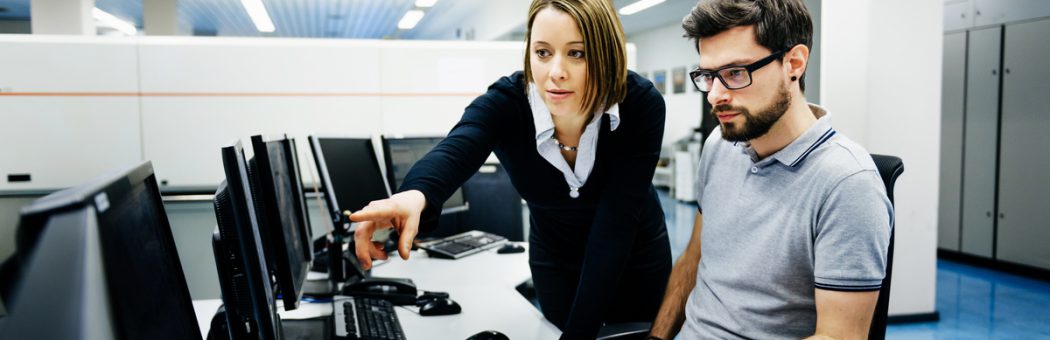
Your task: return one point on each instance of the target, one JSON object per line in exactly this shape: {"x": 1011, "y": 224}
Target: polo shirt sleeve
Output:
{"x": 852, "y": 235}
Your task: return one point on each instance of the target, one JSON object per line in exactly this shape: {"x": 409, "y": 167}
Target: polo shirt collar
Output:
{"x": 814, "y": 137}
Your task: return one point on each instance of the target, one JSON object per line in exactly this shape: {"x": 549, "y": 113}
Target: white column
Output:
{"x": 160, "y": 17}
{"x": 881, "y": 80}
{"x": 72, "y": 17}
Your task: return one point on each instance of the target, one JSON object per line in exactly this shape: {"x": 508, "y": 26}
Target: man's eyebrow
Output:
{"x": 737, "y": 62}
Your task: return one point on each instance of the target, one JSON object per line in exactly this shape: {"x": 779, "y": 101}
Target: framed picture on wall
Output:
{"x": 660, "y": 80}
{"x": 678, "y": 79}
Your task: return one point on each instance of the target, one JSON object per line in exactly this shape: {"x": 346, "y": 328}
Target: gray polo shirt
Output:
{"x": 813, "y": 215}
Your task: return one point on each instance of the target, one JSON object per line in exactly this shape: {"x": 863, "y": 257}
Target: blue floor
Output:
{"x": 974, "y": 303}
{"x": 978, "y": 303}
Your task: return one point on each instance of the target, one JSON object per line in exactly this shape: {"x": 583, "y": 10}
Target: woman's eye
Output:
{"x": 543, "y": 53}
{"x": 576, "y": 54}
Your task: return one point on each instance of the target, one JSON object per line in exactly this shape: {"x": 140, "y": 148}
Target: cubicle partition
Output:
{"x": 87, "y": 103}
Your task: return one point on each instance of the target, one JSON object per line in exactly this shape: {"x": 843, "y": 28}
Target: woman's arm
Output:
{"x": 437, "y": 175}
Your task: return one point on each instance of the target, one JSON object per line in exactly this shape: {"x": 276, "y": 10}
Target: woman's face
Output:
{"x": 559, "y": 67}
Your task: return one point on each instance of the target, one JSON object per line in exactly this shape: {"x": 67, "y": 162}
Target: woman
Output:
{"x": 579, "y": 137}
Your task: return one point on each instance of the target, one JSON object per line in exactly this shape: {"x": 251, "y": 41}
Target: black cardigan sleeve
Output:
{"x": 456, "y": 158}
{"x": 616, "y": 223}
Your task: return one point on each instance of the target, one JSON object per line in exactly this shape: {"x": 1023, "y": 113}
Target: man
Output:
{"x": 793, "y": 223}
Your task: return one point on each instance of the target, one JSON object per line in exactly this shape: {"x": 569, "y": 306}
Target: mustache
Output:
{"x": 726, "y": 107}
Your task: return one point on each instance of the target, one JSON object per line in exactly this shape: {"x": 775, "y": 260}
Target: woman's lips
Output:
{"x": 559, "y": 94}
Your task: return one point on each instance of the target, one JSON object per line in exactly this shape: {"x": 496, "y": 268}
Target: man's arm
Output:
{"x": 844, "y": 315}
{"x": 683, "y": 278}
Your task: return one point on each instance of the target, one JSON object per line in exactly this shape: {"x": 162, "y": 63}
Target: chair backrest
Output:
{"x": 890, "y": 167}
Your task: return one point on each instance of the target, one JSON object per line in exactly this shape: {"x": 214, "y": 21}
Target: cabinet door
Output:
{"x": 953, "y": 90}
{"x": 980, "y": 137}
{"x": 1024, "y": 166}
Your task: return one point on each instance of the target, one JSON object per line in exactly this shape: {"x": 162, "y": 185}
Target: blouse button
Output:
{"x": 574, "y": 192}
{"x": 754, "y": 170}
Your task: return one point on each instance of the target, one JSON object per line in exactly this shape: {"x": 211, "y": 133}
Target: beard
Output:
{"x": 754, "y": 125}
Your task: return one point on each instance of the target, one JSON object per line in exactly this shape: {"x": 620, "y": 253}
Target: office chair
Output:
{"x": 890, "y": 167}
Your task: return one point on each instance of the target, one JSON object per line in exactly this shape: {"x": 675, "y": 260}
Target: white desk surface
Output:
{"x": 483, "y": 284}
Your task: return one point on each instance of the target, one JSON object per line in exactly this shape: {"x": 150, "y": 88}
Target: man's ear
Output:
{"x": 796, "y": 59}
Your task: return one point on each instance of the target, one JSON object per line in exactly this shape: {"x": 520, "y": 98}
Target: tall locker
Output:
{"x": 953, "y": 90}
{"x": 1024, "y": 173}
{"x": 980, "y": 137}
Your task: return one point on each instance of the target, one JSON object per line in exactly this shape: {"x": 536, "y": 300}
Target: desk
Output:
{"x": 483, "y": 284}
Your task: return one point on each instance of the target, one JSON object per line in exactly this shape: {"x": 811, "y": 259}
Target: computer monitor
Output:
{"x": 350, "y": 173}
{"x": 278, "y": 204}
{"x": 403, "y": 152}
{"x": 244, "y": 280}
{"x": 295, "y": 172}
{"x": 100, "y": 263}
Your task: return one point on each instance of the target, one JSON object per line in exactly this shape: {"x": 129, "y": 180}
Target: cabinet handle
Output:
{"x": 995, "y": 72}
{"x": 988, "y": 213}
{"x": 1002, "y": 216}
{"x": 1007, "y": 71}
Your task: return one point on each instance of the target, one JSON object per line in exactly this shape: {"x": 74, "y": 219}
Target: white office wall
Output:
{"x": 200, "y": 94}
{"x": 77, "y": 106}
{"x": 881, "y": 81}
{"x": 664, "y": 48}
{"x": 55, "y": 135}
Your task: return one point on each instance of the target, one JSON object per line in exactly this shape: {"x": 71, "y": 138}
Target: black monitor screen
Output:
{"x": 150, "y": 299}
{"x": 402, "y": 153}
{"x": 278, "y": 203}
{"x": 244, "y": 279}
{"x": 295, "y": 175}
{"x": 353, "y": 169}
{"x": 145, "y": 294}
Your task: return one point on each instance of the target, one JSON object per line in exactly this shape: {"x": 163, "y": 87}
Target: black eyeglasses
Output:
{"x": 733, "y": 77}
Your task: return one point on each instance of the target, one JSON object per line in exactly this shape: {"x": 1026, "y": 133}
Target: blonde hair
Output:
{"x": 604, "y": 49}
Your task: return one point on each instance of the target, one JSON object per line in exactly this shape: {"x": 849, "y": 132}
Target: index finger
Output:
{"x": 373, "y": 213}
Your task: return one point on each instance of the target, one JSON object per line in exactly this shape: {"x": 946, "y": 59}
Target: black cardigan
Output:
{"x": 615, "y": 204}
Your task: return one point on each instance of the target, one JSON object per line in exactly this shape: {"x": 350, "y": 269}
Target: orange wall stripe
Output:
{"x": 232, "y": 94}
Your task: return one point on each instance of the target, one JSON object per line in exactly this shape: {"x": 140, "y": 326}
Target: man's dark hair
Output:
{"x": 779, "y": 24}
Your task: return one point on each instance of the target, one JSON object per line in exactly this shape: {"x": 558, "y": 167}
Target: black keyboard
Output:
{"x": 460, "y": 245}
{"x": 366, "y": 319}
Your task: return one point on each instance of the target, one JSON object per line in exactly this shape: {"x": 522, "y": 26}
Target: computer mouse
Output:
{"x": 426, "y": 297}
{"x": 510, "y": 248}
{"x": 440, "y": 306}
{"x": 488, "y": 335}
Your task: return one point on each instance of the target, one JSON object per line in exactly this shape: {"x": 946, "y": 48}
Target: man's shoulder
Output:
{"x": 840, "y": 158}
